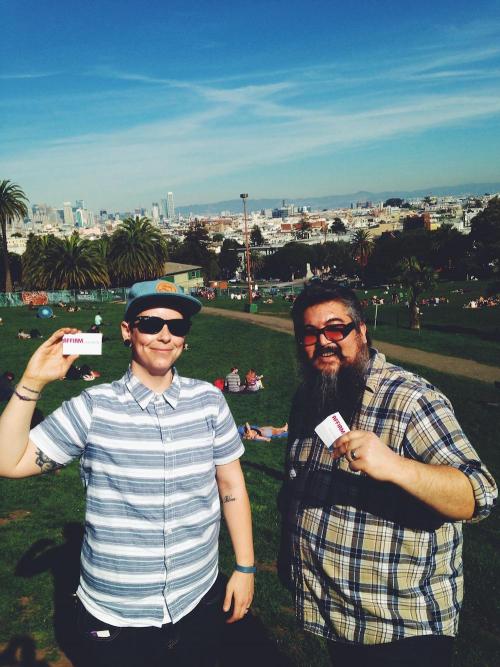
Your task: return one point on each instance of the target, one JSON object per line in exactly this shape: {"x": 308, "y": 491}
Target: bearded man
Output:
{"x": 374, "y": 518}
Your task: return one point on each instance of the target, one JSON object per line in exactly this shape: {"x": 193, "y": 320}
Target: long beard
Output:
{"x": 339, "y": 391}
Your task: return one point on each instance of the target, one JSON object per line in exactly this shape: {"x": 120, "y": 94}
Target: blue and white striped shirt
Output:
{"x": 150, "y": 550}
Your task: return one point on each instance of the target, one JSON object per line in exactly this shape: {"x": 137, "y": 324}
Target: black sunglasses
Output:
{"x": 332, "y": 332}
{"x": 150, "y": 324}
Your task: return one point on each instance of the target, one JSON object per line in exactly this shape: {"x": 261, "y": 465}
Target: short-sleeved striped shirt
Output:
{"x": 370, "y": 564}
{"x": 150, "y": 550}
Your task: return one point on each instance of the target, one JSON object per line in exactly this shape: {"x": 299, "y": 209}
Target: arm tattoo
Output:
{"x": 45, "y": 463}
{"x": 228, "y": 499}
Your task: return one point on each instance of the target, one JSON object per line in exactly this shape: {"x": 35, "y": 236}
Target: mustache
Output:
{"x": 319, "y": 349}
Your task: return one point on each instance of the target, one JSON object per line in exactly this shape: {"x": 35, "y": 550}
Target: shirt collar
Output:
{"x": 143, "y": 395}
{"x": 375, "y": 370}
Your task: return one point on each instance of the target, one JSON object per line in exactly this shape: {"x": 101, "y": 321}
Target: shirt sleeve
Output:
{"x": 227, "y": 442}
{"x": 434, "y": 436}
{"x": 63, "y": 434}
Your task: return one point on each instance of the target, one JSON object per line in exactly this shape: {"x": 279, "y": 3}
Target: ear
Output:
{"x": 362, "y": 332}
{"x": 126, "y": 330}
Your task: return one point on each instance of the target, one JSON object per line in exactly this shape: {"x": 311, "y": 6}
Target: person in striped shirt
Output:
{"x": 373, "y": 519}
{"x": 159, "y": 456}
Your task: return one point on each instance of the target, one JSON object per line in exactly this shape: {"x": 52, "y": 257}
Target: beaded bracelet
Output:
{"x": 32, "y": 391}
{"x": 24, "y": 398}
{"x": 251, "y": 569}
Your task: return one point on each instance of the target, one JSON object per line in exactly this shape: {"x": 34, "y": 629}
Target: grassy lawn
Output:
{"x": 38, "y": 508}
{"x": 447, "y": 329}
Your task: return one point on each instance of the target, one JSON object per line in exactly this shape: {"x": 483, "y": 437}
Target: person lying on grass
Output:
{"x": 265, "y": 433}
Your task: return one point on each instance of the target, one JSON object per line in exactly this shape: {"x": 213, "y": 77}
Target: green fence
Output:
{"x": 42, "y": 297}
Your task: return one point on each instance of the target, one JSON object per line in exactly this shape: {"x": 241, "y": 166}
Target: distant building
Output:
{"x": 187, "y": 276}
{"x": 68, "y": 214}
{"x": 170, "y": 206}
{"x": 155, "y": 212}
{"x": 469, "y": 215}
{"x": 284, "y": 211}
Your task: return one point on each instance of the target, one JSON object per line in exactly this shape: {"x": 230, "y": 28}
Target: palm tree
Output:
{"x": 73, "y": 263}
{"x": 12, "y": 206}
{"x": 256, "y": 262}
{"x": 137, "y": 251}
{"x": 33, "y": 261}
{"x": 416, "y": 277}
{"x": 362, "y": 246}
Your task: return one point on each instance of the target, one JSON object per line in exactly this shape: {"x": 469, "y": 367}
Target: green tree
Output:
{"x": 69, "y": 263}
{"x": 13, "y": 205}
{"x": 195, "y": 250}
{"x": 338, "y": 227}
{"x": 137, "y": 251}
{"x": 362, "y": 246}
{"x": 485, "y": 239}
{"x": 256, "y": 237}
{"x": 417, "y": 278}
{"x": 228, "y": 258}
{"x": 289, "y": 260}
{"x": 339, "y": 259}
{"x": 449, "y": 251}
{"x": 256, "y": 263}
{"x": 394, "y": 201}
{"x": 33, "y": 261}
{"x": 15, "y": 265}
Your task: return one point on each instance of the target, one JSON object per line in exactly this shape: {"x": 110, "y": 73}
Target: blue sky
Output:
{"x": 118, "y": 102}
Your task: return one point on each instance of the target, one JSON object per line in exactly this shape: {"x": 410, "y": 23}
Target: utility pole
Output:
{"x": 244, "y": 197}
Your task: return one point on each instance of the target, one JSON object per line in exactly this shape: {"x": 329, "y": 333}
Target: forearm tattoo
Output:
{"x": 45, "y": 463}
{"x": 228, "y": 499}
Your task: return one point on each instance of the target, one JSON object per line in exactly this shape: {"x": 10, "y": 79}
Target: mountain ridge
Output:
{"x": 338, "y": 201}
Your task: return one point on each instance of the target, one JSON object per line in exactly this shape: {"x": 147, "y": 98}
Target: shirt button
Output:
{"x": 292, "y": 474}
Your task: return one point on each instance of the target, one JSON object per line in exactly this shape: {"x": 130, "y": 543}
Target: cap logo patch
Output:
{"x": 164, "y": 286}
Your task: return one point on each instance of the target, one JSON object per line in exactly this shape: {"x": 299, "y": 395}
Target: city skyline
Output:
{"x": 120, "y": 105}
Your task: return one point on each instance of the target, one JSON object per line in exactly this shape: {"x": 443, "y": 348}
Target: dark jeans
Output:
{"x": 192, "y": 642}
{"x": 426, "y": 651}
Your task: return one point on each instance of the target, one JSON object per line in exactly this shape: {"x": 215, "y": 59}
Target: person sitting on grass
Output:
{"x": 232, "y": 381}
{"x": 253, "y": 382}
{"x": 23, "y": 335}
{"x": 264, "y": 433}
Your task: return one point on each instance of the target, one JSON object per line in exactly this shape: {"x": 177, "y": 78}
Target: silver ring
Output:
{"x": 353, "y": 454}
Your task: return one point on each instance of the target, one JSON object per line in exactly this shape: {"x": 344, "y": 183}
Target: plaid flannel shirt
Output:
{"x": 369, "y": 563}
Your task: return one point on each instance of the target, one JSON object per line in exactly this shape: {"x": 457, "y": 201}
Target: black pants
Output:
{"x": 426, "y": 651}
{"x": 192, "y": 642}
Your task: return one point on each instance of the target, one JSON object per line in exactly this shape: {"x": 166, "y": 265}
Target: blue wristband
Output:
{"x": 251, "y": 569}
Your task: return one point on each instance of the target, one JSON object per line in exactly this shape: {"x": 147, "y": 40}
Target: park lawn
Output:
{"x": 446, "y": 329}
{"x": 38, "y": 508}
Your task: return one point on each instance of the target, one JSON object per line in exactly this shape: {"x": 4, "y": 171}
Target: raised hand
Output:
{"x": 48, "y": 362}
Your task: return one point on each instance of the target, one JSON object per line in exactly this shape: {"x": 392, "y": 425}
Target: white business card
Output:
{"x": 82, "y": 343}
{"x": 332, "y": 428}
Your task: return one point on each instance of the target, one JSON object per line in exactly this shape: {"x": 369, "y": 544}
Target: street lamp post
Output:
{"x": 244, "y": 197}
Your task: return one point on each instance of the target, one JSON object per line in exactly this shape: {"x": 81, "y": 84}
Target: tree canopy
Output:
{"x": 13, "y": 205}
{"x": 256, "y": 237}
{"x": 137, "y": 251}
{"x": 69, "y": 263}
{"x": 394, "y": 201}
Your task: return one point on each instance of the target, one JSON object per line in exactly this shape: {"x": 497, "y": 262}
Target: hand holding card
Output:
{"x": 332, "y": 428}
{"x": 82, "y": 343}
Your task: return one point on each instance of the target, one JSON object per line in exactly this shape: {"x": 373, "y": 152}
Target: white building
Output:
{"x": 170, "y": 206}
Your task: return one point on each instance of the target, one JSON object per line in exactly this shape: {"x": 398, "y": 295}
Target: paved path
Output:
{"x": 438, "y": 362}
